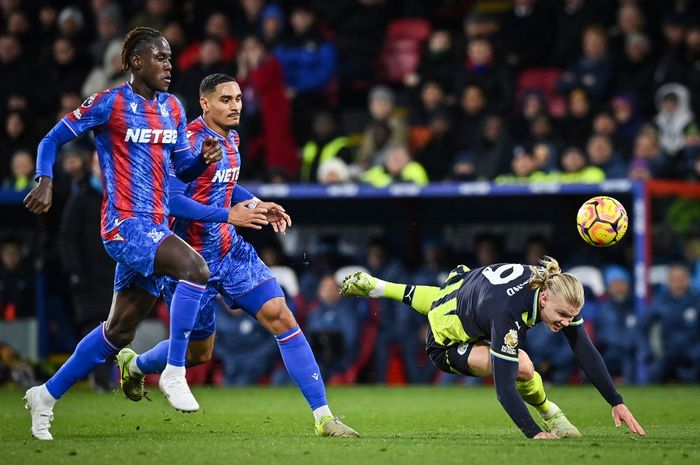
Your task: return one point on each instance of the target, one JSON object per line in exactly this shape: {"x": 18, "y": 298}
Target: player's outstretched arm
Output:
{"x": 592, "y": 364}
{"x": 621, "y": 413}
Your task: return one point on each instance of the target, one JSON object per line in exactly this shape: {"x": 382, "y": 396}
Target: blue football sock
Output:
{"x": 183, "y": 313}
{"x": 302, "y": 366}
{"x": 154, "y": 360}
{"x": 91, "y": 352}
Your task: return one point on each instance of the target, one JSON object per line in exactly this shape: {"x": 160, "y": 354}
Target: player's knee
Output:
{"x": 199, "y": 357}
{"x": 197, "y": 270}
{"x": 120, "y": 335}
{"x": 276, "y": 316}
{"x": 526, "y": 370}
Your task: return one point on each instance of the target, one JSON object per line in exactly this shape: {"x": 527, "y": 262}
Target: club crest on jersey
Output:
{"x": 164, "y": 110}
{"x": 226, "y": 175}
{"x": 510, "y": 342}
{"x": 156, "y": 235}
{"x": 89, "y": 101}
{"x": 151, "y": 136}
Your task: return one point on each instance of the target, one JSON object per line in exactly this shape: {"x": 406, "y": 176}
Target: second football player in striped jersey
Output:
{"x": 206, "y": 220}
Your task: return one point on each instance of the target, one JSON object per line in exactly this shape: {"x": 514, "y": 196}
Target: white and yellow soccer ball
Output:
{"x": 602, "y": 221}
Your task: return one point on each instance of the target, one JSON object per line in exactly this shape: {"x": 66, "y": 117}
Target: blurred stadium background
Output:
{"x": 402, "y": 137}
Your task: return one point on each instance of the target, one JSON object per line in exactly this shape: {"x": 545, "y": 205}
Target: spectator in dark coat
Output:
{"x": 593, "y": 71}
{"x": 333, "y": 327}
{"x": 616, "y": 328}
{"x": 676, "y": 311}
{"x": 309, "y": 63}
{"x": 16, "y": 281}
{"x": 531, "y": 19}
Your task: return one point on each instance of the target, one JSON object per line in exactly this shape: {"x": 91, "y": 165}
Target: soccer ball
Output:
{"x": 602, "y": 221}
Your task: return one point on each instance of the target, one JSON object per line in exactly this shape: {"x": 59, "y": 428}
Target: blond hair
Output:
{"x": 549, "y": 276}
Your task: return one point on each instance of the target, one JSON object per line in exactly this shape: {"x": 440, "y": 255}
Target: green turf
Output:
{"x": 426, "y": 425}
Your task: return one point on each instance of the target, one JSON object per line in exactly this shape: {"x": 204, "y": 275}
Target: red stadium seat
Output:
{"x": 543, "y": 80}
{"x": 402, "y": 49}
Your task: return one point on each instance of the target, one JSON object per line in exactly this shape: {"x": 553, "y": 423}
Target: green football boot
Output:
{"x": 132, "y": 384}
{"x": 561, "y": 426}
{"x": 331, "y": 426}
{"x": 358, "y": 284}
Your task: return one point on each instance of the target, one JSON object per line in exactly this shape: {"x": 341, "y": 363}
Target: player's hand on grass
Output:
{"x": 39, "y": 198}
{"x": 621, "y": 413}
{"x": 242, "y": 215}
{"x": 545, "y": 435}
{"x": 276, "y": 216}
{"x": 211, "y": 151}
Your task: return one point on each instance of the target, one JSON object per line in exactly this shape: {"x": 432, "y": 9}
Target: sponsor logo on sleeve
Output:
{"x": 89, "y": 101}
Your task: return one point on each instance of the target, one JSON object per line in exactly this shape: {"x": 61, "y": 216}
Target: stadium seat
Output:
{"x": 22, "y": 335}
{"x": 287, "y": 278}
{"x": 543, "y": 80}
{"x": 658, "y": 276}
{"x": 590, "y": 276}
{"x": 402, "y": 49}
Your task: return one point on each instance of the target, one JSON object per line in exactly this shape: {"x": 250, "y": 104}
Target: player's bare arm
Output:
{"x": 211, "y": 151}
{"x": 621, "y": 413}
{"x": 38, "y": 201}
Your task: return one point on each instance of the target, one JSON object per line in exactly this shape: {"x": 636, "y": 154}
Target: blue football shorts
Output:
{"x": 243, "y": 281}
{"x": 133, "y": 244}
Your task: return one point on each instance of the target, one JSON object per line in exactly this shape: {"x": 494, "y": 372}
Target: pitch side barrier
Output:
{"x": 508, "y": 200}
{"x": 638, "y": 208}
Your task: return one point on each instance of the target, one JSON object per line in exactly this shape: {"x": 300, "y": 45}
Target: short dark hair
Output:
{"x": 209, "y": 83}
{"x": 134, "y": 39}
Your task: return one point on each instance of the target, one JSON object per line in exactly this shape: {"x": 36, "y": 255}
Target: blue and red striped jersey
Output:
{"x": 135, "y": 139}
{"x": 214, "y": 188}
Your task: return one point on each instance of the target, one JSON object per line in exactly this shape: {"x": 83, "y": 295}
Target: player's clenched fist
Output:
{"x": 39, "y": 199}
{"x": 211, "y": 151}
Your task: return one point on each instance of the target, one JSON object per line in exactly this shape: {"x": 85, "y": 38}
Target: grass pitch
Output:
{"x": 421, "y": 425}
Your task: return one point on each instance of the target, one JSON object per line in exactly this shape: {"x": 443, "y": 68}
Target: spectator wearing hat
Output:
{"x": 381, "y": 101}
{"x": 628, "y": 118}
{"x": 616, "y": 329}
{"x": 674, "y": 116}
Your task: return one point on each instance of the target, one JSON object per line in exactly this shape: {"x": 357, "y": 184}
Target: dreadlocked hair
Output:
{"x": 549, "y": 276}
{"x": 133, "y": 39}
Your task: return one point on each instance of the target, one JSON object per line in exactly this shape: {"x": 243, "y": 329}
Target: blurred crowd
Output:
{"x": 376, "y": 92}
{"x": 379, "y": 91}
